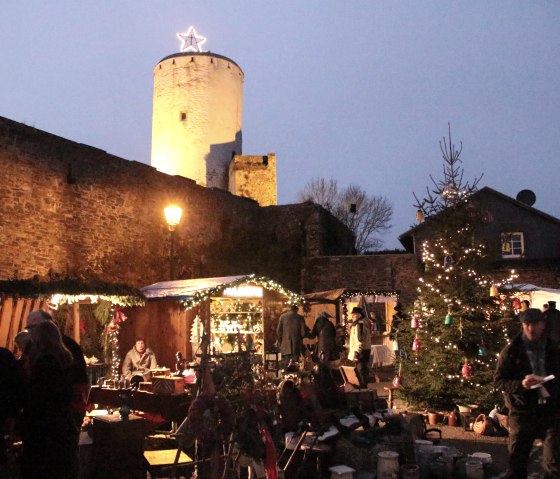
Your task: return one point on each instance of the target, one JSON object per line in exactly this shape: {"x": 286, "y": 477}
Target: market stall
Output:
{"x": 537, "y": 295}
{"x": 339, "y": 303}
{"x": 239, "y": 313}
{"x": 87, "y": 311}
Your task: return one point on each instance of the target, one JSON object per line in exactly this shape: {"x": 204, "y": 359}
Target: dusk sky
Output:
{"x": 359, "y": 91}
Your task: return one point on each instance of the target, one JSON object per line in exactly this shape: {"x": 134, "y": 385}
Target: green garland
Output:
{"x": 263, "y": 281}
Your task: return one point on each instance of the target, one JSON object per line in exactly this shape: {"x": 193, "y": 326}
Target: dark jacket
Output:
{"x": 513, "y": 365}
{"x": 290, "y": 332}
{"x": 326, "y": 344}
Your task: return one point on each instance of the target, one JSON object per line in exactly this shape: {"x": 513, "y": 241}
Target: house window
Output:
{"x": 512, "y": 245}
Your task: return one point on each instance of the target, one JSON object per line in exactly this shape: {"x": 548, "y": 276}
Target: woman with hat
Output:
{"x": 359, "y": 349}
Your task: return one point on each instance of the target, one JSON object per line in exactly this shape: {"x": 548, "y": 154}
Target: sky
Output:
{"x": 360, "y": 91}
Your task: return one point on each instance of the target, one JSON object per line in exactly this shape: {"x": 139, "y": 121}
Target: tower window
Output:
{"x": 183, "y": 116}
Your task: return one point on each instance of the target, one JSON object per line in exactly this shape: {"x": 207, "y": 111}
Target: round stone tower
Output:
{"x": 196, "y": 121}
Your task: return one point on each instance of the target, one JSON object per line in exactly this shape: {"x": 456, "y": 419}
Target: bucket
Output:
{"x": 410, "y": 471}
{"x": 387, "y": 465}
{"x": 474, "y": 469}
{"x": 483, "y": 457}
{"x": 434, "y": 418}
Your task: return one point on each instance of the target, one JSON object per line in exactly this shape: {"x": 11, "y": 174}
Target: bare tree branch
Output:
{"x": 364, "y": 215}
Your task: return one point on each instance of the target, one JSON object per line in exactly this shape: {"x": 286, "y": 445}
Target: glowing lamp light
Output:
{"x": 173, "y": 216}
{"x": 244, "y": 292}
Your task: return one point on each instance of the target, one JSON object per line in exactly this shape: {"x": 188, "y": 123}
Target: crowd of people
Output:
{"x": 44, "y": 386}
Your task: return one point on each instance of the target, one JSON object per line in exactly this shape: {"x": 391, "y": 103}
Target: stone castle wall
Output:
{"x": 254, "y": 177}
{"x": 385, "y": 272}
{"x": 70, "y": 209}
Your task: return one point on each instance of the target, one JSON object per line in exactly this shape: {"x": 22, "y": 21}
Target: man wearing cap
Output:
{"x": 522, "y": 373}
{"x": 324, "y": 330}
{"x": 359, "y": 348}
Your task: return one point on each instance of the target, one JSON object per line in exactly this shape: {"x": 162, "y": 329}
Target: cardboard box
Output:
{"x": 167, "y": 385}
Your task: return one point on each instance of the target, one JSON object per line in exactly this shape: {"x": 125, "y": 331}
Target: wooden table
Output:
{"x": 172, "y": 407}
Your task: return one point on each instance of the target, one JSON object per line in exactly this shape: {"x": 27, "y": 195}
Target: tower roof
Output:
{"x": 200, "y": 54}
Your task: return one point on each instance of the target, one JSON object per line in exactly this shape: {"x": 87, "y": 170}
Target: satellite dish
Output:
{"x": 527, "y": 197}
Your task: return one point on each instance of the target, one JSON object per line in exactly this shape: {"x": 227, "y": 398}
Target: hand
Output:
{"x": 531, "y": 380}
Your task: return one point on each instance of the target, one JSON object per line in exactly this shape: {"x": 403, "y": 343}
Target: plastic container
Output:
{"x": 474, "y": 469}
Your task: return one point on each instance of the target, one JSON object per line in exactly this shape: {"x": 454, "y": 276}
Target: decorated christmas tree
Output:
{"x": 449, "y": 340}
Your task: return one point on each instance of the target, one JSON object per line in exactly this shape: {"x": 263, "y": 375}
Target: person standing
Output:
{"x": 324, "y": 330}
{"x": 534, "y": 405}
{"x": 50, "y": 446}
{"x": 139, "y": 360}
{"x": 359, "y": 348}
{"x": 290, "y": 332}
{"x": 79, "y": 385}
{"x": 10, "y": 403}
{"x": 552, "y": 316}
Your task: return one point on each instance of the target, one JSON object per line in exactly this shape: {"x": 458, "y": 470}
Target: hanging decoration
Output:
{"x": 466, "y": 372}
{"x": 113, "y": 327}
{"x": 448, "y": 261}
{"x": 414, "y": 322}
{"x": 448, "y": 317}
{"x": 419, "y": 215}
{"x": 482, "y": 349}
{"x": 416, "y": 344}
{"x": 493, "y": 291}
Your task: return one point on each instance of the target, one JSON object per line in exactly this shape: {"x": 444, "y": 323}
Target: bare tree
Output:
{"x": 364, "y": 215}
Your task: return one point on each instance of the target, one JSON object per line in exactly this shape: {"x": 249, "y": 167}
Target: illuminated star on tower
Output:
{"x": 190, "y": 41}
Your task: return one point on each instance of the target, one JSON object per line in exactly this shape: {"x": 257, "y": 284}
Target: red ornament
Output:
{"x": 516, "y": 303}
{"x": 467, "y": 370}
{"x": 416, "y": 344}
{"x": 414, "y": 323}
{"x": 397, "y": 381}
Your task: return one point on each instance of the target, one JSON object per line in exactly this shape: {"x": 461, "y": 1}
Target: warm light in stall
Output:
{"x": 244, "y": 291}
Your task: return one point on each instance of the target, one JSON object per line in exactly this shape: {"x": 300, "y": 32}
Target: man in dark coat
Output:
{"x": 324, "y": 330}
{"x": 10, "y": 402}
{"x": 522, "y": 373}
{"x": 290, "y": 333}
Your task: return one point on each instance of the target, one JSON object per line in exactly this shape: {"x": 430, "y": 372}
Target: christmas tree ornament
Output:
{"x": 516, "y": 304}
{"x": 395, "y": 345}
{"x": 416, "y": 344}
{"x": 448, "y": 261}
{"x": 419, "y": 216}
{"x": 493, "y": 291}
{"x": 466, "y": 372}
{"x": 482, "y": 349}
{"x": 448, "y": 319}
{"x": 414, "y": 323}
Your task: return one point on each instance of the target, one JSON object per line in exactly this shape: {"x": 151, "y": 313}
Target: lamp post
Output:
{"x": 172, "y": 218}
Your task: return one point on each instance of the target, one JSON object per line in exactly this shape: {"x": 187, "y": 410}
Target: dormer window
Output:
{"x": 513, "y": 245}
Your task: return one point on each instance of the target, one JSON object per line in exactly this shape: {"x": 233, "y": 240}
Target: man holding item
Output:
{"x": 528, "y": 373}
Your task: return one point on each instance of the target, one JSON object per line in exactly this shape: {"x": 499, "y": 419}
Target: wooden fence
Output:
{"x": 13, "y": 315}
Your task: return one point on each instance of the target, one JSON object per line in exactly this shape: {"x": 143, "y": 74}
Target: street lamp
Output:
{"x": 172, "y": 218}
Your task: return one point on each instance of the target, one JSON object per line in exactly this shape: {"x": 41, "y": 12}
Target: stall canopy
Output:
{"x": 185, "y": 289}
{"x": 536, "y": 295}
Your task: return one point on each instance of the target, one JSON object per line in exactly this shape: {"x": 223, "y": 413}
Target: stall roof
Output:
{"x": 187, "y": 288}
{"x": 334, "y": 295}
